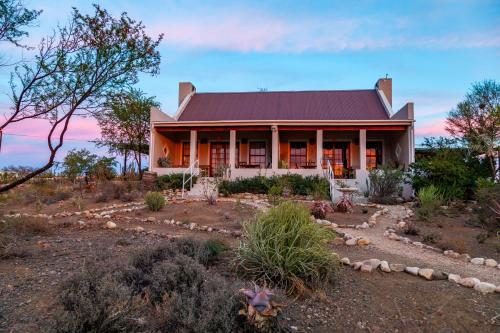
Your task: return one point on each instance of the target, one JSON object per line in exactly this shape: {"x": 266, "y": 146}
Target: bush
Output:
{"x": 171, "y": 182}
{"x": 488, "y": 198}
{"x": 164, "y": 289}
{"x": 310, "y": 185}
{"x": 155, "y": 201}
{"x": 431, "y": 238}
{"x": 411, "y": 229}
{"x": 286, "y": 248}
{"x": 320, "y": 209}
{"x": 385, "y": 184}
{"x": 429, "y": 201}
{"x": 274, "y": 194}
{"x": 457, "y": 244}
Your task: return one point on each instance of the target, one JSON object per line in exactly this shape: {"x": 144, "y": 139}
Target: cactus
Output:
{"x": 261, "y": 311}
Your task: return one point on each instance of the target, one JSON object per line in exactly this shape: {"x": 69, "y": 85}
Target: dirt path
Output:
{"x": 407, "y": 254}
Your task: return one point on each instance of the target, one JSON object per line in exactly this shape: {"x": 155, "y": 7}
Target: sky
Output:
{"x": 433, "y": 51}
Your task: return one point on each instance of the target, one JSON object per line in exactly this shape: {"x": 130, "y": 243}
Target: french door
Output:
{"x": 219, "y": 157}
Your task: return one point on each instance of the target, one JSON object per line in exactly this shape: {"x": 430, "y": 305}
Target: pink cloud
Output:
{"x": 436, "y": 128}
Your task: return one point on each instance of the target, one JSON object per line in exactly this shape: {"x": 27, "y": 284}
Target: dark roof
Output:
{"x": 292, "y": 105}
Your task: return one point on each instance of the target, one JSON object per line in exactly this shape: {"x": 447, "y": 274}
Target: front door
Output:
{"x": 219, "y": 157}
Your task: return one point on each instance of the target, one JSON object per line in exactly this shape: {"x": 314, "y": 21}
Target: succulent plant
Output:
{"x": 261, "y": 311}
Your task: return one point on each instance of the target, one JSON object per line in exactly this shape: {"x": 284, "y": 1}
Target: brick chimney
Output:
{"x": 185, "y": 88}
{"x": 385, "y": 85}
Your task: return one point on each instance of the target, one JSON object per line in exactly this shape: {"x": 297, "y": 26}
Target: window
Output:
{"x": 340, "y": 158}
{"x": 298, "y": 154}
{"x": 373, "y": 154}
{"x": 257, "y": 153}
{"x": 186, "y": 152}
{"x": 327, "y": 153}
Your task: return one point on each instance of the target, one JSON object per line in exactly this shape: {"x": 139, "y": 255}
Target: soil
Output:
{"x": 457, "y": 231}
{"x": 357, "y": 217}
{"x": 358, "y": 302}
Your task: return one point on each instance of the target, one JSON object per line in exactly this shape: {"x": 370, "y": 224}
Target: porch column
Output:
{"x": 232, "y": 149}
{"x": 319, "y": 149}
{"x": 193, "y": 143}
{"x": 275, "y": 147}
{"x": 362, "y": 149}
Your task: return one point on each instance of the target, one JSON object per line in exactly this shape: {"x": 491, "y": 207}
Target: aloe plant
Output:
{"x": 261, "y": 311}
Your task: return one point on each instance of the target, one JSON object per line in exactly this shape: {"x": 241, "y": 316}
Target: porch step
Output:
{"x": 198, "y": 188}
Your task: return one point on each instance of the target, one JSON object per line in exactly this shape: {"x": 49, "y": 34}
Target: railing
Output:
{"x": 192, "y": 171}
{"x": 330, "y": 175}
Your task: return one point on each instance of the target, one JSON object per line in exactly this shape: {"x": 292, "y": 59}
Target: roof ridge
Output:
{"x": 279, "y": 91}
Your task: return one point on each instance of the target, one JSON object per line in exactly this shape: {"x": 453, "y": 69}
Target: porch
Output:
{"x": 273, "y": 150}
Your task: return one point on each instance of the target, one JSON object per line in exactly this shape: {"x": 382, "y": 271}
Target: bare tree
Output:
{"x": 76, "y": 70}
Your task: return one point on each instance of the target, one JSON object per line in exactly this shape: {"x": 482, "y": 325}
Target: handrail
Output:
{"x": 330, "y": 175}
{"x": 192, "y": 170}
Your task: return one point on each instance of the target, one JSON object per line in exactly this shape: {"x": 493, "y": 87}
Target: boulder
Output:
{"x": 477, "y": 261}
{"x": 139, "y": 229}
{"x": 426, "y": 273}
{"x": 367, "y": 268}
{"x": 485, "y": 287}
{"x": 151, "y": 219}
{"x": 364, "y": 226}
{"x": 372, "y": 262}
{"x": 363, "y": 241}
{"x": 490, "y": 263}
{"x": 351, "y": 242}
{"x": 192, "y": 226}
{"x": 468, "y": 282}
{"x": 412, "y": 270}
{"x": 338, "y": 241}
{"x": 438, "y": 275}
{"x": 401, "y": 225}
{"x": 110, "y": 225}
{"x": 393, "y": 236}
{"x": 357, "y": 265}
{"x": 454, "y": 278}
{"x": 397, "y": 267}
{"x": 384, "y": 266}
{"x": 345, "y": 261}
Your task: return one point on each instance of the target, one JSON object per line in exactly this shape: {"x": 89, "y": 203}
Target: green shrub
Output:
{"x": 162, "y": 289}
{"x": 171, "y": 182}
{"x": 155, "y": 201}
{"x": 488, "y": 198}
{"x": 385, "y": 184}
{"x": 310, "y": 185}
{"x": 286, "y": 248}
{"x": 429, "y": 201}
{"x": 274, "y": 194}
{"x": 431, "y": 238}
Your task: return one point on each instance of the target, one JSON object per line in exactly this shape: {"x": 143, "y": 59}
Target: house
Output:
{"x": 280, "y": 132}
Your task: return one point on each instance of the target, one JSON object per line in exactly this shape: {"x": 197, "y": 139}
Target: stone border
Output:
{"x": 390, "y": 233}
{"x": 428, "y": 274}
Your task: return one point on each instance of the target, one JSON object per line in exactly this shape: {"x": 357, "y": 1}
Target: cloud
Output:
{"x": 435, "y": 128}
{"x": 254, "y": 31}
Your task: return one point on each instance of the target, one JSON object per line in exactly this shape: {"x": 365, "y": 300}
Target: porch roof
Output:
{"x": 285, "y": 105}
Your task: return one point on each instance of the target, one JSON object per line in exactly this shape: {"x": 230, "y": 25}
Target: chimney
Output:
{"x": 185, "y": 88}
{"x": 385, "y": 85}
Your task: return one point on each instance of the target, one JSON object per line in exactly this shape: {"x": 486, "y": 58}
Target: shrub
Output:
{"x": 274, "y": 194}
{"x": 457, "y": 244}
{"x": 171, "y": 182}
{"x": 429, "y": 201}
{"x": 285, "y": 247}
{"x": 488, "y": 198}
{"x": 431, "y": 238}
{"x": 155, "y": 201}
{"x": 385, "y": 184}
{"x": 320, "y": 209}
{"x": 482, "y": 237}
{"x": 411, "y": 229}
{"x": 164, "y": 289}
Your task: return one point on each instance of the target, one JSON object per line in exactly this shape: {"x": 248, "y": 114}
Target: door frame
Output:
{"x": 226, "y": 154}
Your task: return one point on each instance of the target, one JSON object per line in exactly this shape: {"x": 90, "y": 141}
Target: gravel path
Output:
{"x": 412, "y": 255}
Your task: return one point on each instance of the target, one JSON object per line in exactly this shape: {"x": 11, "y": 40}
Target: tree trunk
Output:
{"x": 125, "y": 156}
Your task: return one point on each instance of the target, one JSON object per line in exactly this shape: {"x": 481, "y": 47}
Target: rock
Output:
{"x": 82, "y": 223}
{"x": 151, "y": 219}
{"x": 110, "y": 225}
{"x": 367, "y": 268}
{"x": 464, "y": 257}
{"x": 351, "y": 242}
{"x": 393, "y": 236}
{"x": 236, "y": 233}
{"x": 477, "y": 261}
{"x": 454, "y": 278}
{"x": 363, "y": 241}
{"x": 418, "y": 244}
{"x": 401, "y": 225}
{"x": 412, "y": 270}
{"x": 372, "y": 262}
{"x": 426, "y": 273}
{"x": 192, "y": 226}
{"x": 357, "y": 265}
{"x": 397, "y": 267}
{"x": 334, "y": 225}
{"x": 364, "y": 226}
{"x": 468, "y": 282}
{"x": 210, "y": 229}
{"x": 338, "y": 241}
{"x": 437, "y": 275}
{"x": 490, "y": 263}
{"x": 384, "y": 266}
{"x": 139, "y": 229}
{"x": 345, "y": 261}
{"x": 484, "y": 287}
